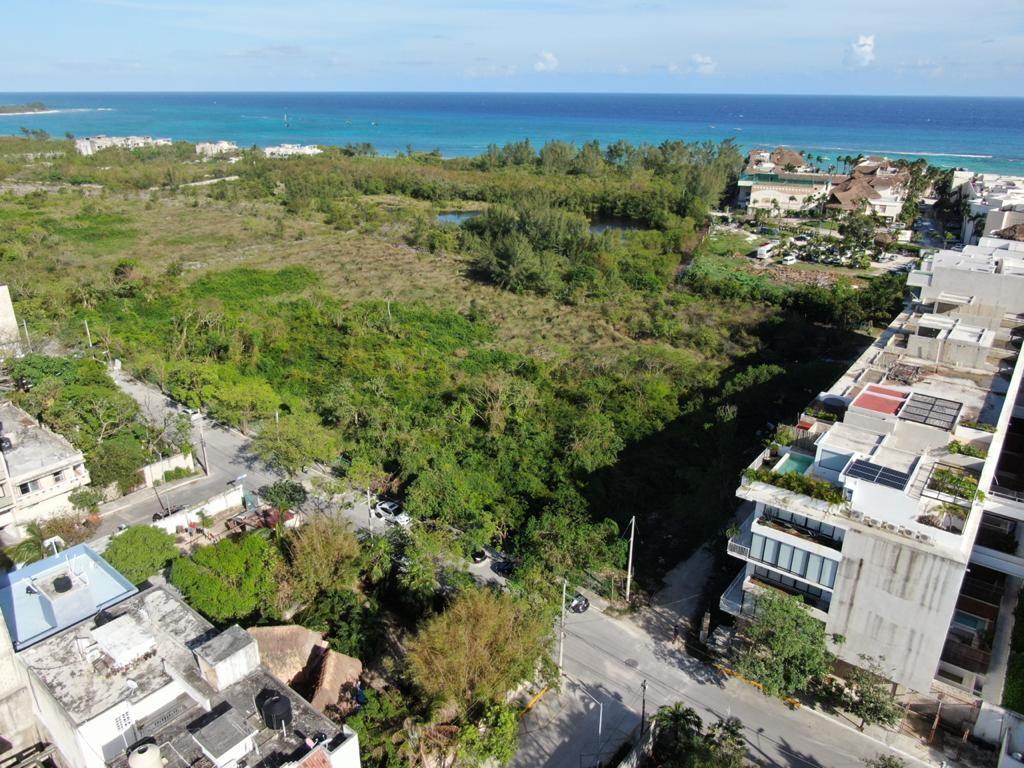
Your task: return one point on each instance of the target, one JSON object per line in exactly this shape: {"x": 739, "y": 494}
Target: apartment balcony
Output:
{"x": 997, "y": 546}
{"x": 966, "y": 656}
{"x": 739, "y": 543}
{"x": 732, "y": 600}
{"x": 806, "y": 535}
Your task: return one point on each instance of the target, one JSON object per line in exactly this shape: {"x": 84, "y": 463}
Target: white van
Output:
{"x": 787, "y": 260}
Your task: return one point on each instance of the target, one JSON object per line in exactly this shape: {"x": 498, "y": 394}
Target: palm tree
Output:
{"x": 678, "y": 733}
{"x": 31, "y": 548}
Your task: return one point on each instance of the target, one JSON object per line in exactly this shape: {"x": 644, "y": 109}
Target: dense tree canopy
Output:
{"x": 786, "y": 646}
{"x": 141, "y": 552}
{"x": 231, "y": 580}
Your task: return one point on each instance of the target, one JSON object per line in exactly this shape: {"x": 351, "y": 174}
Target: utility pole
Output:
{"x": 88, "y": 335}
{"x": 643, "y": 707}
{"x": 202, "y": 444}
{"x": 561, "y": 628}
{"x": 629, "y": 565}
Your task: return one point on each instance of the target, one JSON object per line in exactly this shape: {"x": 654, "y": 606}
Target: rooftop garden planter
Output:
{"x": 808, "y": 486}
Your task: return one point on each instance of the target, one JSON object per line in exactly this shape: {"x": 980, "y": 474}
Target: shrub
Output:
{"x": 140, "y": 552}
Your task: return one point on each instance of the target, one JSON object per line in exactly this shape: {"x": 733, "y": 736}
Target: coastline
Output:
{"x": 984, "y": 134}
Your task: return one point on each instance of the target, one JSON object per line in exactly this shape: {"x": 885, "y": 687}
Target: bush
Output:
{"x": 140, "y": 552}
{"x": 231, "y": 580}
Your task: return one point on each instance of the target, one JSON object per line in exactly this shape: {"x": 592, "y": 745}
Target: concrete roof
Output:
{"x": 27, "y": 601}
{"x": 35, "y": 449}
{"x": 224, "y": 645}
{"x": 66, "y": 663}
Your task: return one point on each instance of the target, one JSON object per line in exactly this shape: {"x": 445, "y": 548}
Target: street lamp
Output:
{"x": 600, "y": 713}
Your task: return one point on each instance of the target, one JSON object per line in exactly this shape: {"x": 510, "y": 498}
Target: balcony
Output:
{"x": 966, "y": 656}
{"x": 732, "y": 600}
{"x": 817, "y": 606}
{"x": 806, "y": 534}
{"x": 739, "y": 542}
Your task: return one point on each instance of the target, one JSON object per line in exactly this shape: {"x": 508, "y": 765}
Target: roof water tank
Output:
{"x": 277, "y": 712}
{"x": 145, "y": 756}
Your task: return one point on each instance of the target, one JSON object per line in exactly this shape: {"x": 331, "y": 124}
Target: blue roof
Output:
{"x": 37, "y": 603}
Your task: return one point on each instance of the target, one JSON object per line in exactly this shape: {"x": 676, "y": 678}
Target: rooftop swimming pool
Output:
{"x": 794, "y": 462}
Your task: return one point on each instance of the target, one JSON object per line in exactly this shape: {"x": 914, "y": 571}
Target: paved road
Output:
{"x": 606, "y": 659}
{"x": 228, "y": 453}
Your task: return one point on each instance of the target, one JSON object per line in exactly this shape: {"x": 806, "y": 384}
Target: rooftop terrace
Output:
{"x": 41, "y": 599}
{"x": 33, "y": 449}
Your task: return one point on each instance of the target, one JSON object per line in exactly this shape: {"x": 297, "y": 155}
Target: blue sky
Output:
{"x": 712, "y": 46}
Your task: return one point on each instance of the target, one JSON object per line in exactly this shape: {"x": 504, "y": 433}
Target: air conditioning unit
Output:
{"x": 871, "y": 522}
{"x": 856, "y": 514}
{"x": 924, "y": 538}
{"x": 888, "y": 527}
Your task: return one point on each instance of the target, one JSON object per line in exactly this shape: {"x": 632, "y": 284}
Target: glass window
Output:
{"x": 814, "y": 567}
{"x": 799, "y": 561}
{"x": 771, "y": 551}
{"x": 828, "y": 572}
{"x": 785, "y": 556}
{"x": 756, "y": 546}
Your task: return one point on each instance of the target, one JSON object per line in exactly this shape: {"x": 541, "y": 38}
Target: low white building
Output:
{"x": 213, "y": 148}
{"x": 90, "y": 145}
{"x": 123, "y": 678}
{"x": 291, "y": 150}
{"x": 41, "y": 470}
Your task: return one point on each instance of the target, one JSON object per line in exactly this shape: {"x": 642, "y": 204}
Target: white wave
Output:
{"x": 56, "y": 111}
{"x": 903, "y": 152}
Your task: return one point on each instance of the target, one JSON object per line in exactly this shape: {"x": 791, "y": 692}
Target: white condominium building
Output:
{"x": 92, "y": 144}
{"x": 893, "y": 506}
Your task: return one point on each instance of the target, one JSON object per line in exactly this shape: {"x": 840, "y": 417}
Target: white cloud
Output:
{"x": 546, "y": 62}
{"x": 703, "y": 65}
{"x": 862, "y": 51}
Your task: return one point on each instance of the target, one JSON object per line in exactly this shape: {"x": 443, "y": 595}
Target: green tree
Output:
{"x": 231, "y": 580}
{"x": 295, "y": 441}
{"x": 140, "y": 552}
{"x": 785, "y": 646}
{"x": 324, "y": 555}
{"x": 869, "y": 695}
{"x": 491, "y": 738}
{"x": 350, "y": 621}
{"x": 30, "y": 549}
{"x": 117, "y": 460}
{"x": 284, "y": 495}
{"x": 484, "y": 645}
{"x": 678, "y": 735}
{"x": 241, "y": 402}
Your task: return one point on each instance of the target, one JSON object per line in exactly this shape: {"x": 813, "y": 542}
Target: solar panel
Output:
{"x": 876, "y": 473}
{"x": 933, "y": 411}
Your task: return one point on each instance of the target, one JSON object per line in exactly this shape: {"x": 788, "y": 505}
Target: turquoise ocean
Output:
{"x": 985, "y": 134}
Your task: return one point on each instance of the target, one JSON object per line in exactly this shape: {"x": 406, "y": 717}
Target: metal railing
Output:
{"x": 1006, "y": 493}
{"x": 735, "y": 548}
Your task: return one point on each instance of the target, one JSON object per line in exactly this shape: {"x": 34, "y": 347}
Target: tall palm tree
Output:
{"x": 678, "y": 733}
{"x": 31, "y": 548}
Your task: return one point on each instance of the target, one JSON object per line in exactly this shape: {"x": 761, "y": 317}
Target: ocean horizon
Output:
{"x": 984, "y": 134}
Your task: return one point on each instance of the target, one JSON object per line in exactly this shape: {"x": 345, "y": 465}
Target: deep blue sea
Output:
{"x": 983, "y": 134}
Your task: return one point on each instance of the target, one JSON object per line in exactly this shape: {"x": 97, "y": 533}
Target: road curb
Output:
{"x": 169, "y": 487}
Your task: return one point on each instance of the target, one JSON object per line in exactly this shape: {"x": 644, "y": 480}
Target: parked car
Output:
{"x": 579, "y": 603}
{"x": 789, "y": 259}
{"x": 391, "y": 513}
{"x": 167, "y": 512}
